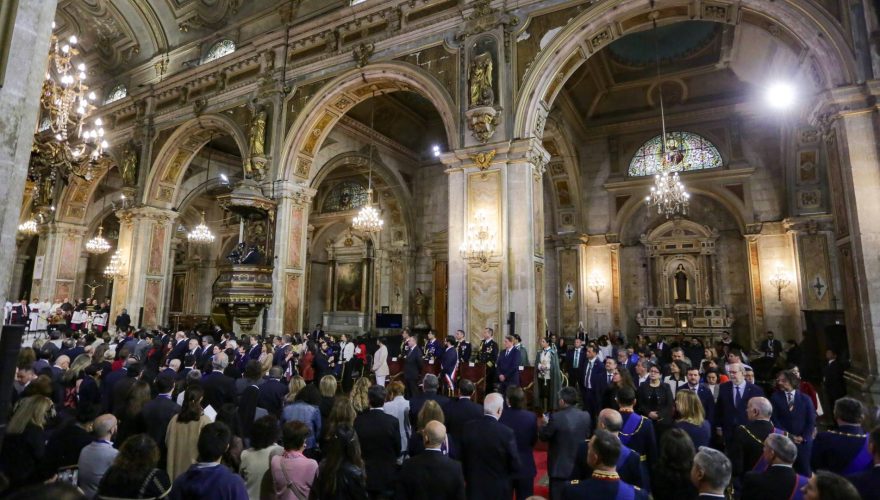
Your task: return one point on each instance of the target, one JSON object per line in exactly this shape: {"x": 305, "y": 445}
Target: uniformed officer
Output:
{"x": 488, "y": 355}
{"x": 637, "y": 431}
{"x": 602, "y": 455}
{"x": 463, "y": 347}
{"x": 844, "y": 450}
{"x": 432, "y": 347}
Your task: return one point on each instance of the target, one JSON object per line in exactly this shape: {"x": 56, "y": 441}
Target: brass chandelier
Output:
{"x": 368, "y": 219}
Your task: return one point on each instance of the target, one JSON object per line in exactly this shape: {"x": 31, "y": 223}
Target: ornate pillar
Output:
{"x": 291, "y": 231}
{"x": 145, "y": 248}
{"x": 60, "y": 246}
{"x": 495, "y": 197}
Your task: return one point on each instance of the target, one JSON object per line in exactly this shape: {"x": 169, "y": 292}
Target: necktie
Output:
{"x": 790, "y": 397}
{"x": 577, "y": 358}
{"x": 609, "y": 379}
{"x": 737, "y": 400}
{"x": 589, "y": 372}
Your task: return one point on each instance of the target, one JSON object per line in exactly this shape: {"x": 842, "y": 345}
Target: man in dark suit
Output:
{"x": 158, "y": 412}
{"x": 868, "y": 482}
{"x": 108, "y": 382}
{"x": 379, "y": 435}
{"x": 488, "y": 355}
{"x": 429, "y": 386}
{"x": 272, "y": 392}
{"x": 281, "y": 343}
{"x": 463, "y": 347}
{"x": 771, "y": 347}
{"x": 594, "y": 374}
{"x": 843, "y": 450}
{"x": 207, "y": 350}
{"x": 20, "y": 313}
{"x": 746, "y": 446}
{"x": 602, "y": 457}
{"x": 458, "y": 412}
{"x": 524, "y": 425}
{"x": 508, "y": 366}
{"x": 733, "y": 399}
{"x": 832, "y": 378}
{"x": 637, "y": 431}
{"x": 317, "y": 334}
{"x": 254, "y": 349}
{"x": 121, "y": 389}
{"x": 180, "y": 345}
{"x": 412, "y": 367}
{"x": 443, "y": 474}
{"x": 624, "y": 363}
{"x": 448, "y": 366}
{"x": 219, "y": 388}
{"x": 663, "y": 350}
{"x": 703, "y": 392}
{"x": 488, "y": 453}
{"x": 794, "y": 413}
{"x": 565, "y": 430}
{"x": 779, "y": 480}
{"x": 577, "y": 359}
{"x": 710, "y": 473}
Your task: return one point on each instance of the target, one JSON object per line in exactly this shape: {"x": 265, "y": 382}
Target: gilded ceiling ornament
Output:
{"x": 484, "y": 160}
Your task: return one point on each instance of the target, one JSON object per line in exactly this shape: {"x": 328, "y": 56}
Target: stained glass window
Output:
{"x": 219, "y": 49}
{"x": 116, "y": 93}
{"x": 686, "y": 151}
{"x": 345, "y": 196}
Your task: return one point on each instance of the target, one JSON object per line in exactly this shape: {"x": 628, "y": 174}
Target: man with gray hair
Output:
{"x": 733, "y": 399}
{"x": 95, "y": 459}
{"x": 430, "y": 385}
{"x": 488, "y": 453}
{"x": 219, "y": 388}
{"x": 779, "y": 480}
{"x": 747, "y": 445}
{"x": 710, "y": 473}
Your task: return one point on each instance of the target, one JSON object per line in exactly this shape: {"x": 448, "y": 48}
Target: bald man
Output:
{"x": 747, "y": 444}
{"x": 431, "y": 467}
{"x": 629, "y": 464}
{"x": 95, "y": 459}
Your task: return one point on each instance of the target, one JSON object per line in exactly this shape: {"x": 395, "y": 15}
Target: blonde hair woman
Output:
{"x": 692, "y": 417}
{"x": 296, "y": 384}
{"x": 24, "y": 444}
{"x": 359, "y": 399}
{"x": 430, "y": 411}
{"x": 327, "y": 385}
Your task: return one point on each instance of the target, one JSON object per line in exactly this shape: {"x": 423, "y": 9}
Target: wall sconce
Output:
{"x": 780, "y": 281}
{"x": 596, "y": 284}
{"x": 479, "y": 242}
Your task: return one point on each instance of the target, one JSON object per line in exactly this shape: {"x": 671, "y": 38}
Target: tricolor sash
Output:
{"x": 761, "y": 465}
{"x": 860, "y": 462}
{"x": 630, "y": 428}
{"x": 798, "y": 492}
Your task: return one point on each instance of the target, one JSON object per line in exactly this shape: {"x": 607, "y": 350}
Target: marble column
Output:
{"x": 61, "y": 246}
{"x": 289, "y": 277}
{"x": 144, "y": 244}
{"x": 501, "y": 182}
{"x": 24, "y": 56}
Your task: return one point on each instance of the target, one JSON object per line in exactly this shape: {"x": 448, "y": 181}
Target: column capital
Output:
{"x": 161, "y": 215}
{"x": 843, "y": 101}
{"x": 66, "y": 228}
{"x": 296, "y": 192}
{"x": 484, "y": 157}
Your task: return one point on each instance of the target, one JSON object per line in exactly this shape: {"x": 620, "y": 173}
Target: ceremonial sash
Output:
{"x": 860, "y": 462}
{"x": 624, "y": 454}
{"x": 630, "y": 428}
{"x": 799, "y": 483}
{"x": 761, "y": 465}
{"x": 450, "y": 377}
{"x": 625, "y": 491}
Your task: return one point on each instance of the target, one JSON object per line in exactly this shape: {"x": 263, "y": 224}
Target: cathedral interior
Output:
{"x": 495, "y": 157}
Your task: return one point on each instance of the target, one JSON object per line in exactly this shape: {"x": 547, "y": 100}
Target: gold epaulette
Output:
{"x": 574, "y": 481}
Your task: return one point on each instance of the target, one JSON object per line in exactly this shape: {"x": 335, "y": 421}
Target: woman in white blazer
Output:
{"x": 380, "y": 362}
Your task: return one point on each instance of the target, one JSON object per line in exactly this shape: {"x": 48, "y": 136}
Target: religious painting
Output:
{"x": 178, "y": 289}
{"x": 815, "y": 269}
{"x": 349, "y": 277}
{"x": 807, "y": 167}
{"x": 809, "y": 199}
{"x": 563, "y": 194}
{"x": 568, "y": 274}
{"x": 156, "y": 245}
{"x": 151, "y": 303}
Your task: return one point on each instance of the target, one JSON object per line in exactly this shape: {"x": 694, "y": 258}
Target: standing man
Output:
{"x": 564, "y": 431}
{"x": 123, "y": 321}
{"x": 771, "y": 347}
{"x": 576, "y": 367}
{"x": 379, "y": 436}
{"x": 431, "y": 468}
{"x": 463, "y": 347}
{"x": 832, "y": 377}
{"x": 547, "y": 377}
{"x": 488, "y": 355}
{"x": 733, "y": 399}
{"x": 779, "y": 480}
{"x": 703, "y": 392}
{"x": 793, "y": 412}
{"x": 747, "y": 445}
{"x": 449, "y": 366}
{"x": 844, "y": 450}
{"x": 432, "y": 347}
{"x": 710, "y": 473}
{"x": 20, "y": 314}
{"x": 317, "y": 334}
{"x": 593, "y": 376}
{"x": 488, "y": 454}
{"x": 523, "y": 352}
{"x": 412, "y": 367}
{"x": 508, "y": 365}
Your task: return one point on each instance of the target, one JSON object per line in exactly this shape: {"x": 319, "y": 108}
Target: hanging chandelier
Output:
{"x": 113, "y": 271}
{"x": 98, "y": 245}
{"x": 478, "y": 246}
{"x": 201, "y": 235}
{"x": 28, "y": 227}
{"x": 668, "y": 195}
{"x": 70, "y": 145}
{"x": 368, "y": 219}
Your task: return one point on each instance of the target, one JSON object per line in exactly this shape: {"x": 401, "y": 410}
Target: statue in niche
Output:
{"x": 254, "y": 166}
{"x": 421, "y": 306}
{"x": 128, "y": 169}
{"x": 681, "y": 285}
{"x": 481, "y": 81}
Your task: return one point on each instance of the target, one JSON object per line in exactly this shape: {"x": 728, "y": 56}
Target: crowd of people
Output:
{"x": 191, "y": 415}
{"x": 44, "y": 316}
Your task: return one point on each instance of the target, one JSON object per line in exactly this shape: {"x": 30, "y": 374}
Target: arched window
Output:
{"x": 687, "y": 151}
{"x": 116, "y": 93}
{"x": 219, "y": 49}
{"x": 346, "y": 195}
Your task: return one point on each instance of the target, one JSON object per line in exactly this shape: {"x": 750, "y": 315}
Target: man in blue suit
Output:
{"x": 794, "y": 413}
{"x": 733, "y": 398}
{"x": 703, "y": 392}
{"x": 594, "y": 377}
{"x": 868, "y": 482}
{"x": 843, "y": 450}
{"x": 507, "y": 368}
{"x": 449, "y": 365}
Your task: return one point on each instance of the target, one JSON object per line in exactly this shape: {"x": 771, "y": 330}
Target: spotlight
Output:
{"x": 436, "y": 150}
{"x": 780, "y": 95}
{"x": 224, "y": 178}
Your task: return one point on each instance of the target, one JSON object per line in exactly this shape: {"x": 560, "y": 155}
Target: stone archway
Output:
{"x": 827, "y": 59}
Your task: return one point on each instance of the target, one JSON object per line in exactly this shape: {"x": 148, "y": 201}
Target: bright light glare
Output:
{"x": 224, "y": 178}
{"x": 780, "y": 95}
{"x": 436, "y": 150}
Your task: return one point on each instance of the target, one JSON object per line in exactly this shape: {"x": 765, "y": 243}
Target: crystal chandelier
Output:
{"x": 668, "y": 195}
{"x": 28, "y": 227}
{"x": 368, "y": 219}
{"x": 201, "y": 235}
{"x": 98, "y": 244}
{"x": 113, "y": 271}
{"x": 71, "y": 146}
{"x": 479, "y": 243}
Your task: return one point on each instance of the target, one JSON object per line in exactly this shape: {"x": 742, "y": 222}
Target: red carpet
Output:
{"x": 542, "y": 482}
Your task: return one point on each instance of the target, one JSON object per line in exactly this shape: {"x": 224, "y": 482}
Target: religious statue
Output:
{"x": 257, "y": 135}
{"x": 481, "y": 81}
{"x": 421, "y": 306}
{"x": 128, "y": 168}
{"x": 681, "y": 284}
